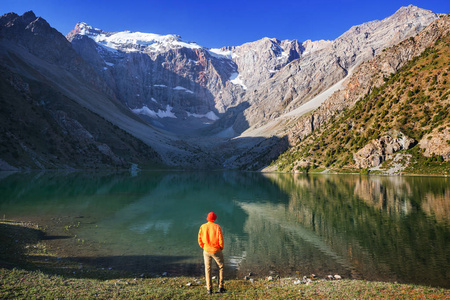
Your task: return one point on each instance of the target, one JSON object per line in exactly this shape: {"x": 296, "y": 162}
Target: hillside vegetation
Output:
{"x": 413, "y": 104}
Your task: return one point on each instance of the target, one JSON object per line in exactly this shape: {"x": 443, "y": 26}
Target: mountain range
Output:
{"x": 98, "y": 99}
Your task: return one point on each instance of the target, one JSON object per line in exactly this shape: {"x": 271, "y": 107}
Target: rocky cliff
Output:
{"x": 370, "y": 75}
{"x": 395, "y": 101}
{"x": 248, "y": 85}
{"x": 235, "y": 107}
{"x": 170, "y": 77}
{"x": 381, "y": 149}
{"x": 153, "y": 71}
{"x": 317, "y": 71}
{"x": 48, "y": 103}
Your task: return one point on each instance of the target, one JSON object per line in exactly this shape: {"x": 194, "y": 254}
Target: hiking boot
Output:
{"x": 222, "y": 290}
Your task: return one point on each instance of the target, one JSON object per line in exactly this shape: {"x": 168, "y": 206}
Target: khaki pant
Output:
{"x": 218, "y": 257}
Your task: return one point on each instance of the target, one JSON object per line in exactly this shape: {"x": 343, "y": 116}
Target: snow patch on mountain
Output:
{"x": 222, "y": 54}
{"x": 180, "y": 88}
{"x": 210, "y": 115}
{"x": 284, "y": 55}
{"x": 236, "y": 79}
{"x": 280, "y": 53}
{"x": 151, "y": 113}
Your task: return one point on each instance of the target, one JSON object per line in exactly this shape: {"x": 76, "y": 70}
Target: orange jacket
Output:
{"x": 210, "y": 237}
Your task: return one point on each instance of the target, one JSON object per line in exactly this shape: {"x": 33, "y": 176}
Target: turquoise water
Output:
{"x": 374, "y": 228}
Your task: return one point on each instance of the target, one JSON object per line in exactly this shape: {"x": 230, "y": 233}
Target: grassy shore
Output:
{"x": 28, "y": 269}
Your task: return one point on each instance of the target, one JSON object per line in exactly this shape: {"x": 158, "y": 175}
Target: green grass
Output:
{"x": 28, "y": 270}
{"x": 17, "y": 283}
{"x": 426, "y": 165}
{"x": 414, "y": 101}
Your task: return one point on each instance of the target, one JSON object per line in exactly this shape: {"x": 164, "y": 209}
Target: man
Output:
{"x": 210, "y": 239}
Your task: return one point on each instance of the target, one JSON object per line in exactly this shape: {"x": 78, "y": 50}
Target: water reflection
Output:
{"x": 376, "y": 228}
{"x": 378, "y": 223}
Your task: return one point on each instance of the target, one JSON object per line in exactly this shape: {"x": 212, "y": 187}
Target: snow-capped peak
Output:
{"x": 129, "y": 41}
{"x": 222, "y": 53}
{"x": 84, "y": 29}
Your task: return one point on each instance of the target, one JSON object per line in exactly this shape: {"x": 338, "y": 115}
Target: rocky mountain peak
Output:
{"x": 82, "y": 28}
{"x": 129, "y": 41}
{"x": 410, "y": 9}
{"x": 301, "y": 80}
{"x": 413, "y": 15}
{"x": 260, "y": 60}
{"x": 404, "y": 20}
{"x": 10, "y": 20}
{"x": 15, "y": 26}
{"x": 28, "y": 16}
{"x": 408, "y": 65}
{"x": 35, "y": 34}
{"x": 191, "y": 91}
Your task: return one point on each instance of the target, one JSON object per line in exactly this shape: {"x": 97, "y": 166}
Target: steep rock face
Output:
{"x": 256, "y": 62}
{"x": 313, "y": 73}
{"x": 369, "y": 75}
{"x": 164, "y": 76}
{"x": 34, "y": 33}
{"x": 159, "y": 71}
{"x": 381, "y": 149}
{"x": 55, "y": 108}
{"x": 436, "y": 143}
{"x": 260, "y": 60}
{"x": 155, "y": 71}
{"x": 43, "y": 129}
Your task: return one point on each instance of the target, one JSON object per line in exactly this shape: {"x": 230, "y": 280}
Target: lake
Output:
{"x": 360, "y": 227}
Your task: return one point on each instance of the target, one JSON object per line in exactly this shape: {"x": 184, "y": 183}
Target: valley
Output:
{"x": 191, "y": 107}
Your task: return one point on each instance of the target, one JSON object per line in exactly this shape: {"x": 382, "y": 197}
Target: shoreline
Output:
{"x": 28, "y": 264}
{"x": 261, "y": 171}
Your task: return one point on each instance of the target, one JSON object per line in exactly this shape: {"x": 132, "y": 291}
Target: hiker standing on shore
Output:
{"x": 210, "y": 239}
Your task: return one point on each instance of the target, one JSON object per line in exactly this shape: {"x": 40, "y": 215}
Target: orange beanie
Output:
{"x": 211, "y": 217}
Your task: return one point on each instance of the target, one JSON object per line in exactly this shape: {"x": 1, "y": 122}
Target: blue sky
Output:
{"x": 219, "y": 23}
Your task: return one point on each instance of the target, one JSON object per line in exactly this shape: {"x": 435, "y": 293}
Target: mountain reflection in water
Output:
{"x": 374, "y": 228}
